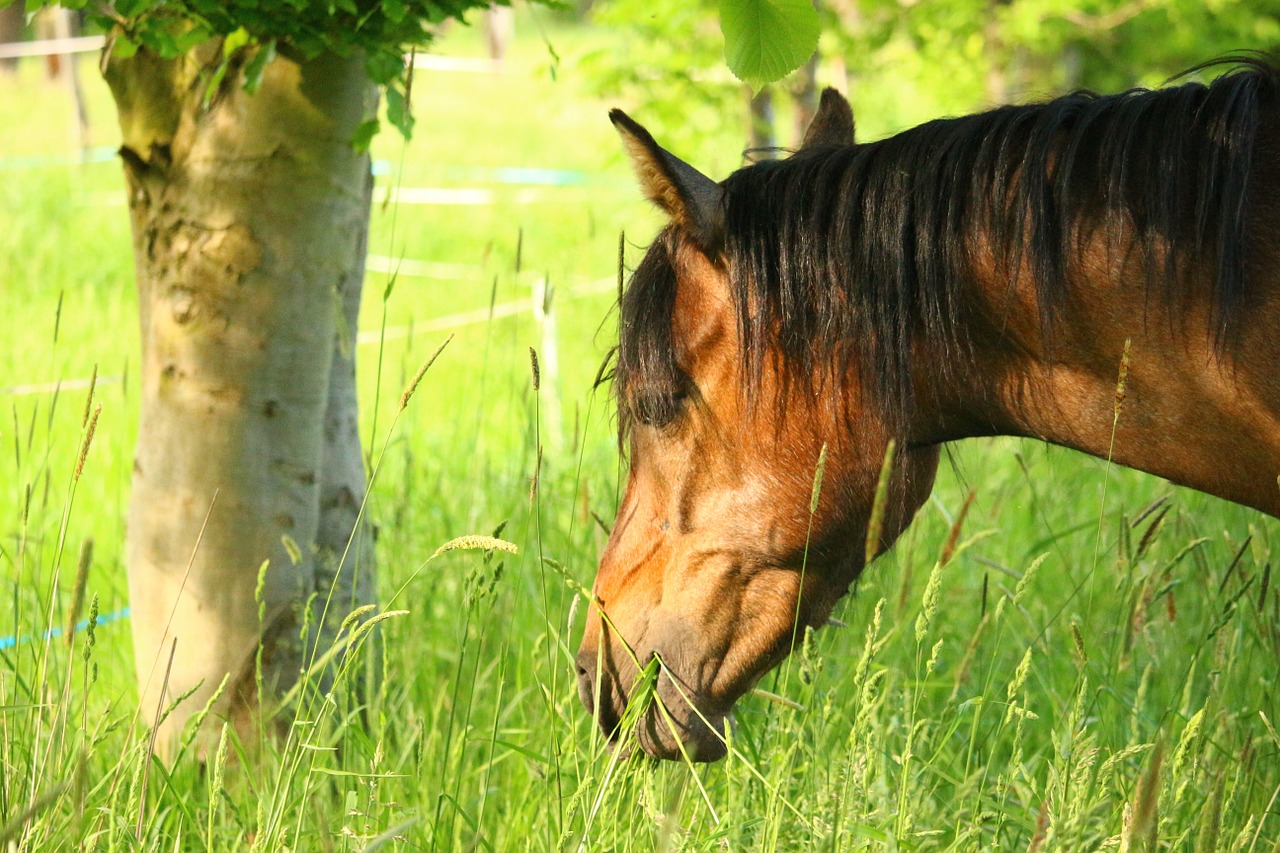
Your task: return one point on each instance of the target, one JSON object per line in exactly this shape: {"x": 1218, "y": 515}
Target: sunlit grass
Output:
{"x": 1089, "y": 660}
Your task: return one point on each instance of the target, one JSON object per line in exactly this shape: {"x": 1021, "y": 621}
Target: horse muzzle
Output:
{"x": 678, "y": 722}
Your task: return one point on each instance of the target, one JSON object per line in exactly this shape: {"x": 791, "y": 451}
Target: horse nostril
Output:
{"x": 604, "y": 713}
{"x": 585, "y": 690}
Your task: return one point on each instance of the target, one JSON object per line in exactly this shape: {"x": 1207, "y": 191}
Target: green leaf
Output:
{"x": 398, "y": 112}
{"x": 254, "y": 68}
{"x": 129, "y": 8}
{"x": 364, "y": 135}
{"x": 765, "y": 40}
{"x": 235, "y": 40}
{"x": 215, "y": 80}
{"x": 122, "y": 48}
{"x": 160, "y": 41}
{"x": 295, "y": 553}
{"x": 188, "y": 39}
{"x": 384, "y": 66}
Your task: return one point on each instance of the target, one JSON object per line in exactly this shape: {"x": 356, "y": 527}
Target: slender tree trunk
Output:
{"x": 763, "y": 139}
{"x": 249, "y": 218}
{"x": 13, "y": 21}
{"x": 63, "y": 25}
{"x": 804, "y": 95}
{"x": 500, "y": 28}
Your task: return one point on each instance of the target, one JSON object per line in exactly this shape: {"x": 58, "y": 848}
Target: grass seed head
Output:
{"x": 1015, "y": 685}
{"x": 422, "y": 371}
{"x": 1143, "y": 823}
{"x": 91, "y": 630}
{"x": 953, "y": 536}
{"x": 88, "y": 400}
{"x": 877, "y": 506}
{"x": 1123, "y": 378}
{"x": 475, "y": 542}
{"x": 1027, "y": 577}
{"x": 1078, "y": 639}
{"x": 77, "y": 593}
{"x": 88, "y": 440}
{"x": 929, "y": 608}
{"x": 817, "y": 479}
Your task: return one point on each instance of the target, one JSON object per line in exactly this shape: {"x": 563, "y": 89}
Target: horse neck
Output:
{"x": 1184, "y": 411}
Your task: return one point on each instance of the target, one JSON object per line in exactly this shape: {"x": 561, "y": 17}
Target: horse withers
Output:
{"x": 984, "y": 275}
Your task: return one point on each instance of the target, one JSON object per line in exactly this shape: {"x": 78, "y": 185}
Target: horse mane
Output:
{"x": 841, "y": 257}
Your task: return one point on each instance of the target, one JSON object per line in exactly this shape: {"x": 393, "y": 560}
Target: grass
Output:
{"x": 1093, "y": 665}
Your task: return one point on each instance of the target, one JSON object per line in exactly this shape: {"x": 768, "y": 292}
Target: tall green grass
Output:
{"x": 1084, "y": 659}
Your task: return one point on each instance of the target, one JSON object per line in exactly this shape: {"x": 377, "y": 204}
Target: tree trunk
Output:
{"x": 500, "y": 27}
{"x": 60, "y": 24}
{"x": 13, "y": 22}
{"x": 804, "y": 95}
{"x": 250, "y": 215}
{"x": 762, "y": 141}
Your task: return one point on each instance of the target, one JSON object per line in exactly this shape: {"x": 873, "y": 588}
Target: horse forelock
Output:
{"x": 645, "y": 359}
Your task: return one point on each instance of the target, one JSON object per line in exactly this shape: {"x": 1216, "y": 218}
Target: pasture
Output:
{"x": 1058, "y": 655}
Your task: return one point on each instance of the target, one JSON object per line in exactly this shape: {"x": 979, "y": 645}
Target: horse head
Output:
{"x": 726, "y": 546}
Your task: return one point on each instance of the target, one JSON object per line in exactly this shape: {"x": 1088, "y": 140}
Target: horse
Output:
{"x": 1012, "y": 272}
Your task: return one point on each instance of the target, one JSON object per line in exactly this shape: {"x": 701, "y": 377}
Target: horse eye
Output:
{"x": 657, "y": 409}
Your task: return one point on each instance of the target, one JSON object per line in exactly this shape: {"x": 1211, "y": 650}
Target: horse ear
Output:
{"x": 832, "y": 124}
{"x": 690, "y": 198}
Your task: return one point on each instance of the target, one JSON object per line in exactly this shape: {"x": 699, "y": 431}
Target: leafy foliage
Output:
{"x": 672, "y": 73}
{"x": 384, "y": 30}
{"x": 763, "y": 40}
{"x": 906, "y": 62}
{"x": 973, "y": 51}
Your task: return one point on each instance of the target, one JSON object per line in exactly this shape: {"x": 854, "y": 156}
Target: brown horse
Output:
{"x": 984, "y": 275}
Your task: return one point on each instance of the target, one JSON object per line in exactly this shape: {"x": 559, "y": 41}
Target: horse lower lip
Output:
{"x": 699, "y": 737}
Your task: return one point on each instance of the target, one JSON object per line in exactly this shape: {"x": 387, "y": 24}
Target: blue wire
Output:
{"x": 51, "y": 633}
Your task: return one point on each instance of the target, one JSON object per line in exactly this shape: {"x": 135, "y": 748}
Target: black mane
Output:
{"x": 840, "y": 257}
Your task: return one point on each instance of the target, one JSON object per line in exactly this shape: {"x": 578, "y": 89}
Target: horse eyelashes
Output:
{"x": 658, "y": 409}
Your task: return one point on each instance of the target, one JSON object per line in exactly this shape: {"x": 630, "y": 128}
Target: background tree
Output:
{"x": 244, "y": 128}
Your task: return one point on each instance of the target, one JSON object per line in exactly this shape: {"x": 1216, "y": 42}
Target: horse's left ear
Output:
{"x": 833, "y": 123}
{"x": 692, "y": 200}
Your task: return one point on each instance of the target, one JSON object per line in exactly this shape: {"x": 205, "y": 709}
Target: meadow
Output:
{"x": 1094, "y": 664}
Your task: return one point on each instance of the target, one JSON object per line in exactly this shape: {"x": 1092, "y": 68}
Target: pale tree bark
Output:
{"x": 500, "y": 28}
{"x": 344, "y": 558}
{"x": 249, "y": 216}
